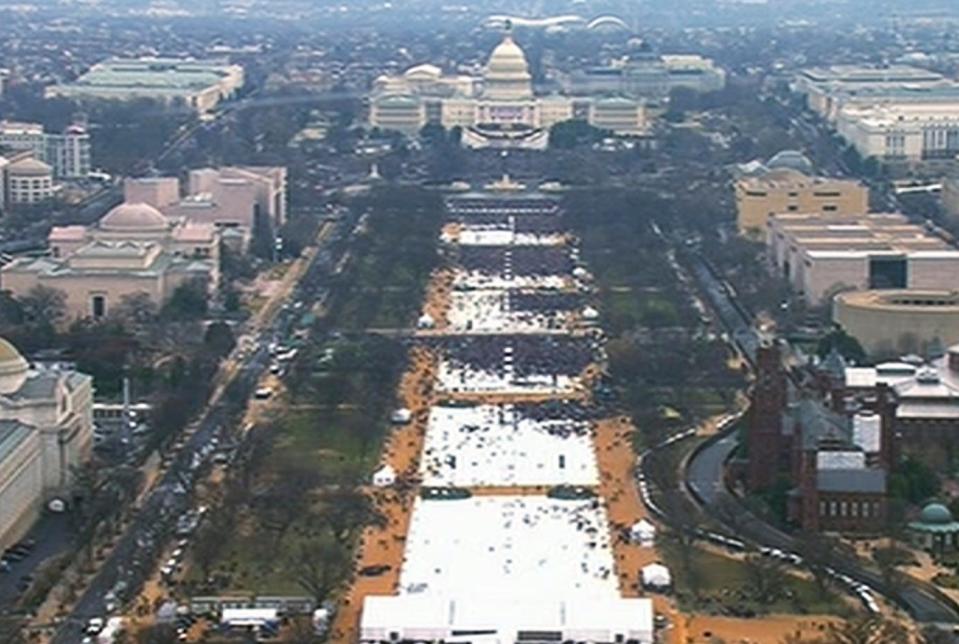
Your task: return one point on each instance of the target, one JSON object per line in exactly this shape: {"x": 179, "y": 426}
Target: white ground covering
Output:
{"x": 509, "y": 546}
{"x": 477, "y": 280}
{"x": 483, "y": 237}
{"x": 491, "y": 445}
{"x": 488, "y": 310}
{"x": 457, "y": 379}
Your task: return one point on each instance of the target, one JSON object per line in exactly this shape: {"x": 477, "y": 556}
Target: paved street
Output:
{"x": 134, "y": 556}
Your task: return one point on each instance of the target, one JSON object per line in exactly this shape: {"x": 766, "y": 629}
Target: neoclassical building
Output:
{"x": 497, "y": 109}
{"x": 133, "y": 249}
{"x": 46, "y": 430}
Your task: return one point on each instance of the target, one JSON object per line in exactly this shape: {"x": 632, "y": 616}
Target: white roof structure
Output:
{"x": 401, "y": 416}
{"x": 643, "y": 531}
{"x": 656, "y": 576}
{"x": 840, "y": 460}
{"x": 518, "y": 547}
{"x": 385, "y": 476}
{"x": 867, "y": 431}
{"x": 426, "y": 321}
{"x": 493, "y": 445}
{"x": 440, "y": 618}
{"x": 239, "y": 617}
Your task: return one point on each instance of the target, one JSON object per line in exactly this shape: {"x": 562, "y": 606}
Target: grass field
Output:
{"x": 723, "y": 585}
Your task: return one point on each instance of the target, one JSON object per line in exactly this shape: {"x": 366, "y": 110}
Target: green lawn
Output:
{"x": 721, "y": 583}
{"x": 326, "y": 437}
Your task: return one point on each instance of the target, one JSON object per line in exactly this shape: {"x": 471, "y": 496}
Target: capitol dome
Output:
{"x": 13, "y": 368}
{"x": 134, "y": 217}
{"x": 507, "y": 72}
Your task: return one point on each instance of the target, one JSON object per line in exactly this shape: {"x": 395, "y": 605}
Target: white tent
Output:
{"x": 248, "y": 617}
{"x": 401, "y": 416}
{"x": 590, "y": 314}
{"x": 656, "y": 577}
{"x": 643, "y": 532}
{"x": 384, "y": 477}
{"x": 426, "y": 321}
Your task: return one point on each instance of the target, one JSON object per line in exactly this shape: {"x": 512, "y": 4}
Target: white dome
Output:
{"x": 13, "y": 368}
{"x": 134, "y": 217}
{"x": 507, "y": 73}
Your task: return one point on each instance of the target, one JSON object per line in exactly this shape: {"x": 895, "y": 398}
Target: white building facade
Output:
{"x": 46, "y": 431}
{"x": 68, "y": 153}
{"x": 499, "y": 109}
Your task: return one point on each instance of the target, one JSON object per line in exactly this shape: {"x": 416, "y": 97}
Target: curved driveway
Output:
{"x": 704, "y": 478}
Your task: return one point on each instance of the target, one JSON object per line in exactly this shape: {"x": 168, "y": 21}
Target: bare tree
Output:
{"x": 867, "y": 630}
{"x": 136, "y": 309}
{"x": 766, "y": 576}
{"x": 319, "y": 566}
{"x": 348, "y": 509}
{"x": 45, "y": 305}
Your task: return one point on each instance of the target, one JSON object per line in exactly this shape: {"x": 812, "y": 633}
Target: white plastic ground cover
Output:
{"x": 493, "y": 445}
{"x": 488, "y": 310}
{"x": 478, "y": 280}
{"x": 464, "y": 379}
{"x": 510, "y": 546}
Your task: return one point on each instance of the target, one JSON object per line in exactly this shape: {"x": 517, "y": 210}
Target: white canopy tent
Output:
{"x": 385, "y": 476}
{"x": 656, "y": 577}
{"x": 643, "y": 532}
{"x": 248, "y": 617}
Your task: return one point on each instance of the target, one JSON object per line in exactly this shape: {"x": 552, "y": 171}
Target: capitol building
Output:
{"x": 497, "y": 109}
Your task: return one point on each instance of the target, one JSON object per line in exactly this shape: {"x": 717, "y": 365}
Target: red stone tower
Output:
{"x": 764, "y": 435}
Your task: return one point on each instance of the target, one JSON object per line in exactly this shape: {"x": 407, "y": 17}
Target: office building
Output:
{"x": 28, "y": 181}
{"x": 822, "y": 255}
{"x": 68, "y": 154}
{"x": 199, "y": 84}
{"x": 828, "y": 90}
{"x": 235, "y": 199}
{"x": 644, "y": 74}
{"x": 902, "y": 132}
{"x": 899, "y": 322}
{"x": 781, "y": 186}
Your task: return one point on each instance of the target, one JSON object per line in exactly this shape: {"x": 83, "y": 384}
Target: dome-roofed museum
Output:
{"x": 139, "y": 217}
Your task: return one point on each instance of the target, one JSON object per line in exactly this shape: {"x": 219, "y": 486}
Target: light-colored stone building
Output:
{"x": 910, "y": 132}
{"x": 785, "y": 190}
{"x": 97, "y": 277}
{"x": 140, "y": 222}
{"x": 67, "y": 153}
{"x": 497, "y": 108}
{"x": 46, "y": 430}
{"x": 899, "y": 322}
{"x": 28, "y": 181}
{"x": 200, "y": 84}
{"x": 829, "y": 89}
{"x": 236, "y": 197}
{"x": 822, "y": 255}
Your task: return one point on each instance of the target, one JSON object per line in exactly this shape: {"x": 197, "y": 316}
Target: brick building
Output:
{"x": 836, "y": 461}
